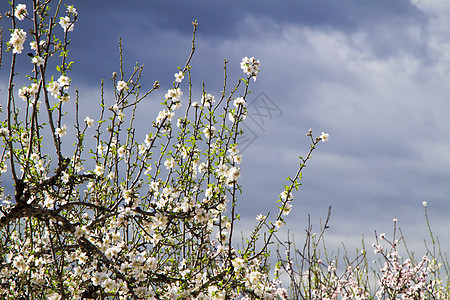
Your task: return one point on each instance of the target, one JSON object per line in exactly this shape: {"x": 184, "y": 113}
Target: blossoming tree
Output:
{"x": 115, "y": 217}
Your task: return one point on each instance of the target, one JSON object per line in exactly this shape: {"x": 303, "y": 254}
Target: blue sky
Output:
{"x": 373, "y": 74}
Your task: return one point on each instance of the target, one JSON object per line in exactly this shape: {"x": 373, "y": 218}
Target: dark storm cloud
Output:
{"x": 224, "y": 19}
{"x": 162, "y": 30}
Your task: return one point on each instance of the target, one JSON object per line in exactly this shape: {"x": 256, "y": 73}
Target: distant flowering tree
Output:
{"x": 116, "y": 217}
{"x": 314, "y": 273}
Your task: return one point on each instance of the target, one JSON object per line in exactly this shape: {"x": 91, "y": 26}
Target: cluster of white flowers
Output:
{"x": 260, "y": 217}
{"x": 38, "y": 61}
{"x": 28, "y": 92}
{"x": 100, "y": 149}
{"x": 148, "y": 140}
{"x": 170, "y": 163}
{"x": 66, "y": 23}
{"x": 89, "y": 122}
{"x": 65, "y": 177}
{"x": 207, "y": 100}
{"x": 239, "y": 101}
{"x": 404, "y": 279}
{"x": 64, "y": 81}
{"x": 209, "y": 131}
{"x": 118, "y": 111}
{"x": 72, "y": 10}
{"x": 287, "y": 209}
{"x": 142, "y": 148}
{"x": 174, "y": 94}
{"x": 228, "y": 175}
{"x": 284, "y": 195}
{"x": 61, "y": 131}
{"x": 407, "y": 279}
{"x": 38, "y": 162}
{"x": 18, "y": 37}
{"x": 234, "y": 154}
{"x": 21, "y": 12}
{"x": 49, "y": 201}
{"x": 122, "y": 86}
{"x": 233, "y": 174}
{"x": 278, "y": 223}
{"x": 164, "y": 116}
{"x": 99, "y": 170}
{"x": 80, "y": 231}
{"x": 202, "y": 167}
{"x": 20, "y": 263}
{"x": 131, "y": 198}
{"x": 56, "y": 87}
{"x": 122, "y": 151}
{"x": 250, "y": 66}
{"x": 257, "y": 282}
{"x": 33, "y": 45}
{"x": 4, "y": 131}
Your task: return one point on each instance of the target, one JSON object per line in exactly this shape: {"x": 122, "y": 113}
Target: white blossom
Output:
{"x": 260, "y": 217}
{"x": 142, "y": 148}
{"x": 238, "y": 263}
{"x": 62, "y": 131}
{"x": 66, "y": 24}
{"x": 169, "y": 163}
{"x": 89, "y": 122}
{"x": 122, "y": 151}
{"x": 20, "y": 263}
{"x": 250, "y": 66}
{"x": 208, "y": 99}
{"x": 100, "y": 149}
{"x": 179, "y": 76}
{"x": 37, "y": 60}
{"x": 3, "y": 168}
{"x": 174, "y": 94}
{"x": 4, "y": 131}
{"x": 64, "y": 81}
{"x": 122, "y": 85}
{"x": 20, "y": 12}
{"x": 324, "y": 137}
{"x": 287, "y": 209}
{"x": 209, "y": 131}
{"x": 165, "y": 115}
{"x": 18, "y": 37}
{"x": 80, "y": 231}
{"x": 99, "y": 170}
{"x": 33, "y": 44}
{"x": 278, "y": 224}
{"x": 54, "y": 88}
{"x": 239, "y": 102}
{"x": 65, "y": 177}
{"x": 72, "y": 10}
{"x": 284, "y": 195}
{"x": 24, "y": 93}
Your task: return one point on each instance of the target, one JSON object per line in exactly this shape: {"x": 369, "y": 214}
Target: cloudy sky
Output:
{"x": 373, "y": 74}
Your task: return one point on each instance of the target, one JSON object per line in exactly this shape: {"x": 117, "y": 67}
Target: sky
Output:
{"x": 373, "y": 74}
